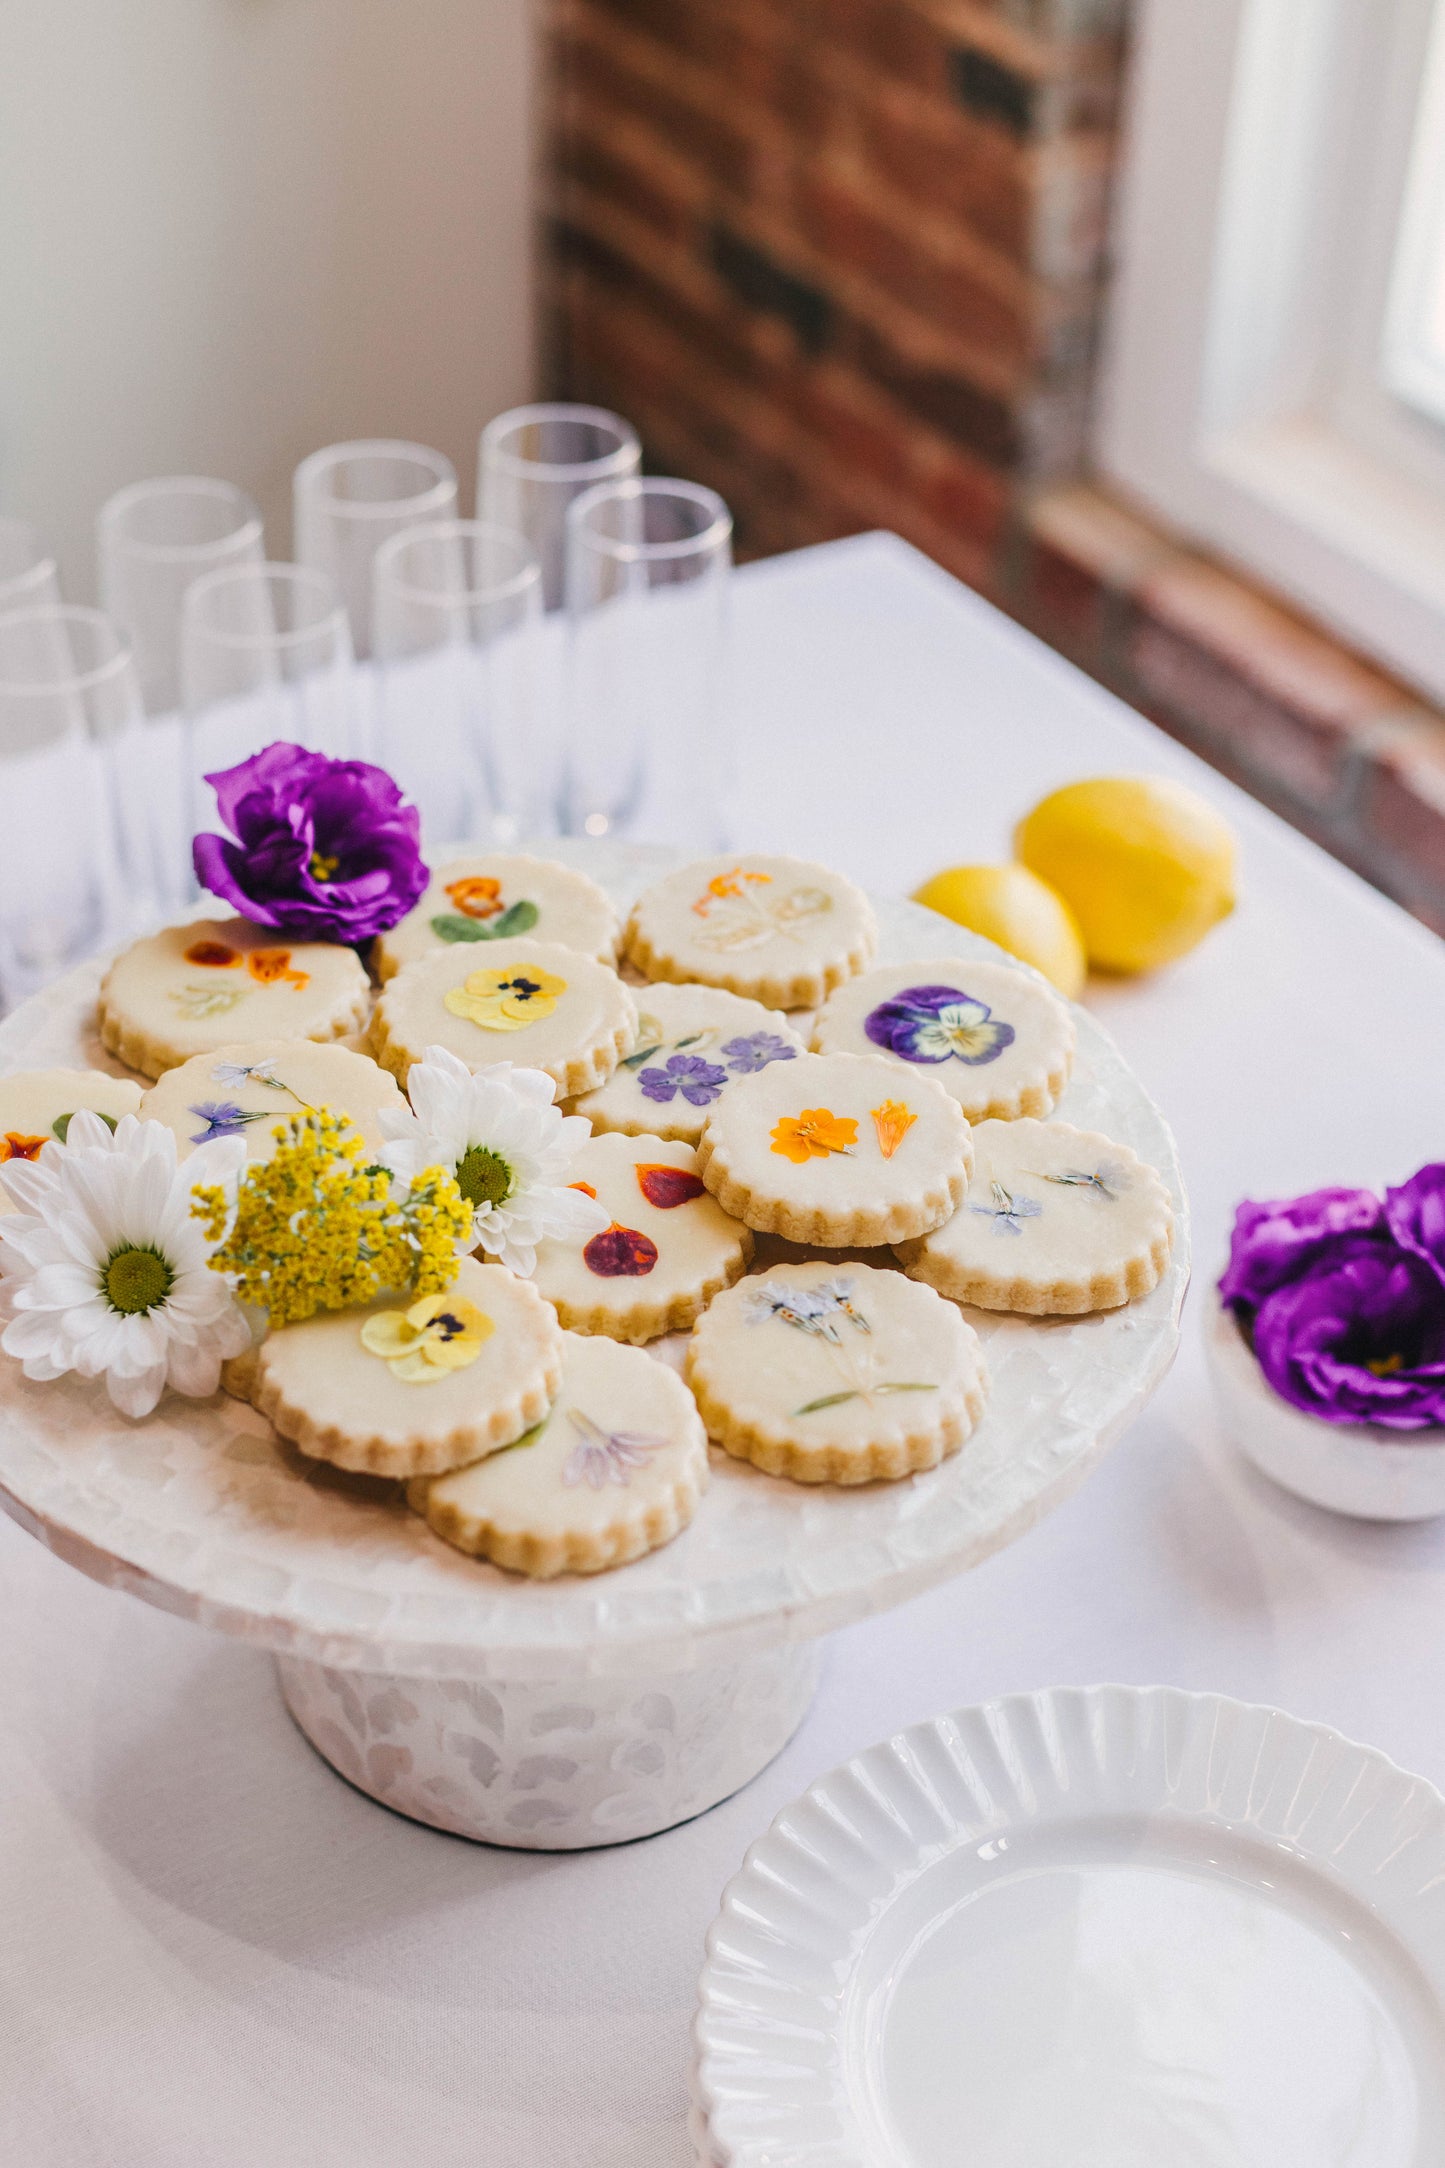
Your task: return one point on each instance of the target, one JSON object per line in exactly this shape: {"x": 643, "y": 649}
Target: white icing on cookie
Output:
{"x": 782, "y": 931}
{"x": 470, "y": 902}
{"x": 248, "y": 1091}
{"x": 524, "y": 1001}
{"x": 997, "y": 1039}
{"x": 693, "y": 1042}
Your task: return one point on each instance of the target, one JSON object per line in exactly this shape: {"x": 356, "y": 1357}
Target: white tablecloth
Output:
{"x": 214, "y": 1955}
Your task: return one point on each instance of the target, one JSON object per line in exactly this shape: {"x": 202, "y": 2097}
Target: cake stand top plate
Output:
{"x": 203, "y": 1511}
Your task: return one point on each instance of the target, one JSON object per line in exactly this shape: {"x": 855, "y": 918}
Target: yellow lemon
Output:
{"x": 1146, "y": 866}
{"x": 1013, "y": 907}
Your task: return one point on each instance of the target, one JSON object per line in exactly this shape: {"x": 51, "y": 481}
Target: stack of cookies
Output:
{"x": 803, "y": 1163}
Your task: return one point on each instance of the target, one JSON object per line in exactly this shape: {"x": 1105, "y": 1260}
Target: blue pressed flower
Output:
{"x": 938, "y": 1023}
{"x": 223, "y": 1118}
{"x": 699, "y": 1081}
{"x": 747, "y": 1055}
{"x": 1007, "y": 1211}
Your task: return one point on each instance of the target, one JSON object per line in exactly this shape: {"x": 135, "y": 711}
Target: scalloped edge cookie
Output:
{"x": 716, "y": 1013}
{"x": 861, "y": 1226}
{"x": 514, "y": 869}
{"x": 455, "y": 1506}
{"x": 485, "y": 1429}
{"x": 785, "y": 982}
{"x": 1033, "y": 1294}
{"x": 770, "y": 1442}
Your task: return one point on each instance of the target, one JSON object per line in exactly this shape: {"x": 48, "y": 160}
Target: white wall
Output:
{"x": 233, "y": 230}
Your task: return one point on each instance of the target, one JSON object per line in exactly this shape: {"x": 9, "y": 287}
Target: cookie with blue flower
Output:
{"x": 996, "y": 1037}
{"x": 1057, "y": 1222}
{"x": 251, "y": 1091}
{"x": 693, "y": 1043}
{"x": 617, "y": 1469}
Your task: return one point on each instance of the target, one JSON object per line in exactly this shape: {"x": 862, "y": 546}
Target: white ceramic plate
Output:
{"x": 1104, "y": 1927}
{"x": 200, "y": 1510}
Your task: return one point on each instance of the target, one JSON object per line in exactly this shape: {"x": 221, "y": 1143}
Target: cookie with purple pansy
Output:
{"x": 995, "y": 1036}
{"x": 693, "y": 1043}
{"x": 248, "y": 1090}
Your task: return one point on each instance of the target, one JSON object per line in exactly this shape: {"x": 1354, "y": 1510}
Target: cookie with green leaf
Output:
{"x": 471, "y": 901}
{"x": 824, "y": 1375}
{"x": 36, "y": 1106}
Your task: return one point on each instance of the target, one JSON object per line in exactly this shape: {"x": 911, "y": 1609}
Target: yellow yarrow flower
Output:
{"x": 316, "y": 1226}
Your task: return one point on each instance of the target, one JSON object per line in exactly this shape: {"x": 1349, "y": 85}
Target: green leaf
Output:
{"x": 448, "y": 928}
{"x": 518, "y": 918}
{"x": 62, "y": 1122}
{"x": 644, "y": 1053}
{"x": 905, "y": 1388}
{"x": 829, "y": 1400}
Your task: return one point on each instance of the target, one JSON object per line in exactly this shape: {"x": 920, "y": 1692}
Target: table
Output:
{"x": 216, "y": 1956}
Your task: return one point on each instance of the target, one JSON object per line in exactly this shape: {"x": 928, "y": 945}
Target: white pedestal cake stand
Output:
{"x": 582, "y": 1711}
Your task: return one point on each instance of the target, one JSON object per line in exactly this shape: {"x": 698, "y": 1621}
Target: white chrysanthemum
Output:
{"x": 509, "y": 1147}
{"x": 103, "y": 1270}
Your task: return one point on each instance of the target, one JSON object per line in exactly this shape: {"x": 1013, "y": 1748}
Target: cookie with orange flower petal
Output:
{"x": 692, "y": 1043}
{"x": 36, "y": 1106}
{"x": 667, "y": 1250}
{"x": 781, "y": 931}
{"x": 843, "y": 1150}
{"x": 471, "y": 901}
{"x": 530, "y": 1002}
{"x": 188, "y": 990}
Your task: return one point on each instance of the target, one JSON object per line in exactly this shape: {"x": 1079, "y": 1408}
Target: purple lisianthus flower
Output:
{"x": 747, "y": 1056}
{"x": 1274, "y": 1243}
{"x": 326, "y": 850}
{"x": 938, "y": 1023}
{"x": 699, "y": 1081}
{"x": 1359, "y": 1337}
{"x": 1415, "y": 1214}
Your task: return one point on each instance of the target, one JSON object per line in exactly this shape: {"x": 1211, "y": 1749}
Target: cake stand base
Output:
{"x": 554, "y": 1765}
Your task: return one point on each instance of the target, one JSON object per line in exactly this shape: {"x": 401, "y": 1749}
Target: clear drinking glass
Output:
{"x": 69, "y": 713}
{"x": 350, "y": 498}
{"x": 647, "y": 750}
{"x": 265, "y": 654}
{"x": 455, "y": 618}
{"x": 28, "y": 577}
{"x": 152, "y": 540}
{"x": 534, "y": 461}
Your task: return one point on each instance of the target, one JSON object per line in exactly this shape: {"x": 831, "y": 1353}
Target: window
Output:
{"x": 1275, "y": 369}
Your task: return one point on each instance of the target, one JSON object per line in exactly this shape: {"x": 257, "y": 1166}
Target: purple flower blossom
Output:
{"x": 1273, "y": 1243}
{"x": 1358, "y": 1337}
{"x": 326, "y": 850}
{"x": 1415, "y": 1215}
{"x": 699, "y": 1081}
{"x": 938, "y": 1023}
{"x": 223, "y": 1118}
{"x": 747, "y": 1056}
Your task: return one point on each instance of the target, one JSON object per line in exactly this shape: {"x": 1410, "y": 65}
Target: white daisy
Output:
{"x": 103, "y": 1270}
{"x": 510, "y": 1148}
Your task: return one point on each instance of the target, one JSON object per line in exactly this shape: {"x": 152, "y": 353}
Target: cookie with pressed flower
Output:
{"x": 36, "y": 1106}
{"x": 836, "y": 1376}
{"x": 617, "y": 1469}
{"x": 777, "y": 930}
{"x": 188, "y": 990}
{"x": 667, "y": 1249}
{"x": 247, "y": 1091}
{"x": 410, "y": 1387}
{"x": 1057, "y": 1221}
{"x": 529, "y": 1002}
{"x": 471, "y": 901}
{"x": 998, "y": 1040}
{"x": 837, "y": 1149}
{"x": 692, "y": 1043}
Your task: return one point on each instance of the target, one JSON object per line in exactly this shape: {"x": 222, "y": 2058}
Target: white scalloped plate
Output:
{"x": 1103, "y": 1927}
{"x": 202, "y": 1512}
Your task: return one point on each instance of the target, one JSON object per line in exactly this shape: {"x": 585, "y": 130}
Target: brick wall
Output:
{"x": 845, "y": 260}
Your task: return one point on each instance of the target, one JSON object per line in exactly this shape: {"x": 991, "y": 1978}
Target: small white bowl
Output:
{"x": 1356, "y": 1468}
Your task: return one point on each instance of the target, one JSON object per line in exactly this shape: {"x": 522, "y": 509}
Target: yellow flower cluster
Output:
{"x": 316, "y": 1228}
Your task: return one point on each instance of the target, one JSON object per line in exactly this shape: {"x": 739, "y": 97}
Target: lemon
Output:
{"x": 1146, "y": 866}
{"x": 1013, "y": 907}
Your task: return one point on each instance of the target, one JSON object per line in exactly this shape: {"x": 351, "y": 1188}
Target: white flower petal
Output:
{"x": 135, "y": 1395}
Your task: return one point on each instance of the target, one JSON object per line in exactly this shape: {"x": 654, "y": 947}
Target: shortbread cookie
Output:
{"x": 668, "y": 1250}
{"x": 998, "y": 1040}
{"x": 692, "y": 1042}
{"x": 838, "y": 1149}
{"x": 407, "y": 1387}
{"x": 1057, "y": 1221}
{"x": 471, "y": 901}
{"x": 838, "y": 1376}
{"x": 531, "y": 1002}
{"x": 249, "y": 1091}
{"x": 36, "y": 1106}
{"x": 779, "y": 930}
{"x": 617, "y": 1469}
{"x": 222, "y": 981}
